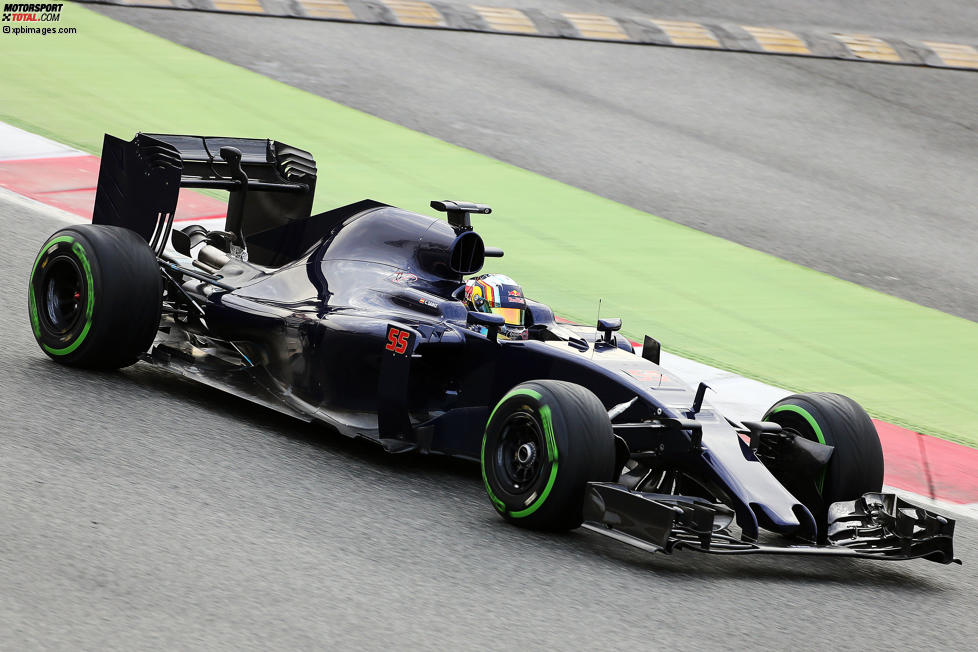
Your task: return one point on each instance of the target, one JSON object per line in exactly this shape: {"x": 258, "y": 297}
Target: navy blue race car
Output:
{"x": 374, "y": 321}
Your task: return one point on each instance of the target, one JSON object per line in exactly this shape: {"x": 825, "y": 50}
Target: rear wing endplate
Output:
{"x": 270, "y": 183}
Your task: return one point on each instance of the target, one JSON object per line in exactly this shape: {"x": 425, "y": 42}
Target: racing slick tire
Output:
{"x": 95, "y": 297}
{"x": 856, "y": 464}
{"x": 544, "y": 441}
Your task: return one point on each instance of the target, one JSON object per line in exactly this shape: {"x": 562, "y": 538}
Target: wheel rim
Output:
{"x": 63, "y": 289}
{"x": 521, "y": 452}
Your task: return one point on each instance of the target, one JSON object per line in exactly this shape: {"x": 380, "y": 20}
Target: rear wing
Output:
{"x": 270, "y": 183}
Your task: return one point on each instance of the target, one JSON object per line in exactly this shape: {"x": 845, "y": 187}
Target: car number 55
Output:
{"x": 397, "y": 340}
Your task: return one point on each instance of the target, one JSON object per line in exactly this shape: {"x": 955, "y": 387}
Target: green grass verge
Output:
{"x": 704, "y": 297}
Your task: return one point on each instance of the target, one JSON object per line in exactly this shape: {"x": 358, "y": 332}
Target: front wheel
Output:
{"x": 545, "y": 440}
{"x": 95, "y": 296}
{"x": 856, "y": 464}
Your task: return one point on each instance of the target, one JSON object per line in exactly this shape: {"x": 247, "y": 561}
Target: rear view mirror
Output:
{"x": 491, "y": 321}
{"x": 651, "y": 350}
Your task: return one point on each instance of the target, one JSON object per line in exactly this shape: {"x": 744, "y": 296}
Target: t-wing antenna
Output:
{"x": 458, "y": 213}
{"x": 235, "y": 218}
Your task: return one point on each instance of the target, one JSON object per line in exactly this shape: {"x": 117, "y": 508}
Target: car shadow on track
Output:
{"x": 762, "y": 568}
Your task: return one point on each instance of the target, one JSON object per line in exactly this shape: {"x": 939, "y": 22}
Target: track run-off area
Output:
{"x": 164, "y": 512}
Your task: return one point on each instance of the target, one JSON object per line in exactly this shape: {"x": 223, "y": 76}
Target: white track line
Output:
{"x": 17, "y": 144}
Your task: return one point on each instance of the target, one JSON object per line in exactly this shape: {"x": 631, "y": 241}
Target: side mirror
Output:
{"x": 489, "y": 320}
{"x": 609, "y": 326}
{"x": 651, "y": 349}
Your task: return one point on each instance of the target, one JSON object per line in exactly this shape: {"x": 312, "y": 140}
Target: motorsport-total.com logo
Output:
{"x": 30, "y": 13}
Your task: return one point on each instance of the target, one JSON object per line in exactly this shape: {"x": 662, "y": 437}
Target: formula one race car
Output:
{"x": 361, "y": 318}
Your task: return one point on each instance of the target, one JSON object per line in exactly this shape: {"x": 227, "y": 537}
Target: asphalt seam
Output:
{"x": 766, "y": 40}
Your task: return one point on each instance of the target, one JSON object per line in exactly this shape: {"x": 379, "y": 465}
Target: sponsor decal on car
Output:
{"x": 403, "y": 278}
{"x": 654, "y": 379}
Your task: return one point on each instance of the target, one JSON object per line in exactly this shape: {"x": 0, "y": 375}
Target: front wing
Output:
{"x": 875, "y": 526}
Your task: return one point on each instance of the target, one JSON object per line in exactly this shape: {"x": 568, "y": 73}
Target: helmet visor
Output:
{"x": 513, "y": 316}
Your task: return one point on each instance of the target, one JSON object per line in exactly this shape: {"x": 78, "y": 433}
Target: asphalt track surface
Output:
{"x": 139, "y": 510}
{"x": 862, "y": 171}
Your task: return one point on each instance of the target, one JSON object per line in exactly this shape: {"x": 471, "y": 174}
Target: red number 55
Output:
{"x": 397, "y": 340}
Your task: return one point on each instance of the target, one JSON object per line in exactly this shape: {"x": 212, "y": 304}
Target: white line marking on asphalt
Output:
{"x": 15, "y": 144}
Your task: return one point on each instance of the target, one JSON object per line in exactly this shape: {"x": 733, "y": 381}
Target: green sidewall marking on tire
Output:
{"x": 89, "y": 309}
{"x": 516, "y": 392}
{"x": 35, "y": 319}
{"x": 806, "y": 415}
{"x": 548, "y": 430}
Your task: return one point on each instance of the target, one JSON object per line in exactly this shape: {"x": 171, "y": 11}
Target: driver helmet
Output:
{"x": 501, "y": 295}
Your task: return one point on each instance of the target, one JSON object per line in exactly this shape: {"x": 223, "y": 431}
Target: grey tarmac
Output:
{"x": 138, "y": 510}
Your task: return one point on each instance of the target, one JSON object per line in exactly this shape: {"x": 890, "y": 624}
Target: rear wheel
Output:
{"x": 856, "y": 465}
{"x": 95, "y": 296}
{"x": 545, "y": 440}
